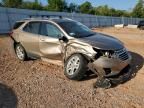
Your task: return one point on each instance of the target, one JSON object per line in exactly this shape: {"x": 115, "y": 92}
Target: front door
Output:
{"x": 49, "y": 44}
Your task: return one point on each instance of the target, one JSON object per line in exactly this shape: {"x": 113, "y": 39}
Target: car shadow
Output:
{"x": 136, "y": 64}
{"x": 8, "y": 98}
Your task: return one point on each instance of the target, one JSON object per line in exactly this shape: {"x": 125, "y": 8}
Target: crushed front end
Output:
{"x": 111, "y": 66}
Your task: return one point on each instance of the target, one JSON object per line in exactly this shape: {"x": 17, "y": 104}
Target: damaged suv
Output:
{"x": 80, "y": 49}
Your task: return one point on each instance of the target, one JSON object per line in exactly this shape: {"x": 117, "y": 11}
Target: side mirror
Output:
{"x": 64, "y": 39}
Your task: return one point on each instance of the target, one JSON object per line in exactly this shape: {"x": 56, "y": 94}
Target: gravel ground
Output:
{"x": 37, "y": 84}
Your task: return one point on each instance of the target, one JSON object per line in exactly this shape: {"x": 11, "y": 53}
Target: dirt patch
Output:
{"x": 38, "y": 84}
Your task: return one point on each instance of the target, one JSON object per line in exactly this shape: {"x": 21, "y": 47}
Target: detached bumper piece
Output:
{"x": 122, "y": 77}
{"x": 107, "y": 82}
{"x": 103, "y": 83}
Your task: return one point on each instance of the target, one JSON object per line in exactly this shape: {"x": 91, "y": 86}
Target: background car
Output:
{"x": 141, "y": 25}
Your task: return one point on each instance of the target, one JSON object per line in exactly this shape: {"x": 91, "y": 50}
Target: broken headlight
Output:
{"x": 104, "y": 53}
{"x": 107, "y": 53}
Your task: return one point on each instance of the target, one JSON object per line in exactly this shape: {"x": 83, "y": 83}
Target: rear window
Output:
{"x": 17, "y": 25}
{"x": 32, "y": 27}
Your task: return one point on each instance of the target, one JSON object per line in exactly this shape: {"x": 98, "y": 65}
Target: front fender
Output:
{"x": 73, "y": 48}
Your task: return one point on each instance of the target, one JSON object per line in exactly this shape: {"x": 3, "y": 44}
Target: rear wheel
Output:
{"x": 20, "y": 52}
{"x": 75, "y": 67}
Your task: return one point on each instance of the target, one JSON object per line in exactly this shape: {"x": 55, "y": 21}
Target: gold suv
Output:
{"x": 81, "y": 49}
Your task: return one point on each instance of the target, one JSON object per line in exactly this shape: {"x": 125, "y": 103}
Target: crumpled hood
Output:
{"x": 103, "y": 41}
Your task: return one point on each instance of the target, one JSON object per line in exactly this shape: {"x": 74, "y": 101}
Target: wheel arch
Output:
{"x": 84, "y": 55}
{"x": 15, "y": 43}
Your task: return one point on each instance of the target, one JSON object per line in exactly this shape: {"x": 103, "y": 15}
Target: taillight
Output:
{"x": 11, "y": 33}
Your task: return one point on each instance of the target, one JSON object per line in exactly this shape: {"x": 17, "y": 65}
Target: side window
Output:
{"x": 50, "y": 30}
{"x": 32, "y": 27}
{"x": 43, "y": 30}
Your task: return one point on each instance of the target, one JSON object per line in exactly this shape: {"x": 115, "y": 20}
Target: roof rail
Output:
{"x": 43, "y": 16}
{"x": 68, "y": 18}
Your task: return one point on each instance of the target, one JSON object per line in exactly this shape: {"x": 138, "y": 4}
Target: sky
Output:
{"x": 117, "y": 4}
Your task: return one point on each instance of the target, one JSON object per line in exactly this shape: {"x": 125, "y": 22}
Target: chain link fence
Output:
{"x": 8, "y": 16}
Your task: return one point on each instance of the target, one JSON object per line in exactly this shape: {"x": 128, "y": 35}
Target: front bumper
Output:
{"x": 114, "y": 65}
{"x": 122, "y": 77}
{"x": 114, "y": 70}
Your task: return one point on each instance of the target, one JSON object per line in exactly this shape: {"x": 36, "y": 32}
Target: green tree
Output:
{"x": 138, "y": 10}
{"x": 103, "y": 10}
{"x": 86, "y": 7}
{"x": 32, "y": 5}
{"x": 107, "y": 11}
{"x": 1, "y": 4}
{"x": 65, "y": 6}
{"x": 37, "y": 5}
{"x": 56, "y": 5}
{"x": 120, "y": 13}
{"x": 73, "y": 7}
{"x": 12, "y": 3}
{"x": 113, "y": 12}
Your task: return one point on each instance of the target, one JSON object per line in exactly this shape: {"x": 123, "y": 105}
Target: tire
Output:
{"x": 20, "y": 52}
{"x": 75, "y": 67}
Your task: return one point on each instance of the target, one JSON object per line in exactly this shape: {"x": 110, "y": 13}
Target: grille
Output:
{"x": 122, "y": 54}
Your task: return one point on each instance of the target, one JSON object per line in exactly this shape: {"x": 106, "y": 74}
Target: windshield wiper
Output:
{"x": 82, "y": 36}
{"x": 90, "y": 34}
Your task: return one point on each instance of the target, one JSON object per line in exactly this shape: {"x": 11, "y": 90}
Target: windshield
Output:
{"x": 76, "y": 29}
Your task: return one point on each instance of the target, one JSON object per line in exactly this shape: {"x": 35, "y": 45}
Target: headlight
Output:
{"x": 107, "y": 54}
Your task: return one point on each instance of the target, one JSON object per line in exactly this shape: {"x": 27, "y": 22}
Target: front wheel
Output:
{"x": 75, "y": 67}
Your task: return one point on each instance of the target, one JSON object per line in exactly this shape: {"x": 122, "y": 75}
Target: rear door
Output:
{"x": 49, "y": 44}
{"x": 30, "y": 38}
